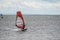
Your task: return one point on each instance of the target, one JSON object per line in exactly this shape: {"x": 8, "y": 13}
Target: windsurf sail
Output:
{"x": 19, "y": 20}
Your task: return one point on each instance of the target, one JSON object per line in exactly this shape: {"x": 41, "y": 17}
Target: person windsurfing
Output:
{"x": 21, "y": 25}
{"x": 1, "y": 16}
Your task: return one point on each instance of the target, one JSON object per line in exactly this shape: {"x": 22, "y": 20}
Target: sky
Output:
{"x": 30, "y": 7}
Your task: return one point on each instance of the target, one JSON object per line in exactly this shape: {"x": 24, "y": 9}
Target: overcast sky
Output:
{"x": 30, "y": 7}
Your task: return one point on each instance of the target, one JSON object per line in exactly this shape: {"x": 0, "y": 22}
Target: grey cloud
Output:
{"x": 52, "y": 1}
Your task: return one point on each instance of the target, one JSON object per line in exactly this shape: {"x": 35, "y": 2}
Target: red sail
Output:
{"x": 19, "y": 14}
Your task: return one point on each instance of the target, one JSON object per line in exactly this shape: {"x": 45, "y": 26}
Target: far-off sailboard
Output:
{"x": 20, "y": 21}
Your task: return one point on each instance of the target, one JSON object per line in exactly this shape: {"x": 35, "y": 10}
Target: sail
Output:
{"x": 19, "y": 20}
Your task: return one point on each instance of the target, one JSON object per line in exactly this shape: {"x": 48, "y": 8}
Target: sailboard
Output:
{"x": 19, "y": 20}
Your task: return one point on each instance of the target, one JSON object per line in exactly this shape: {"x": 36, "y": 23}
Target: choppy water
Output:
{"x": 38, "y": 28}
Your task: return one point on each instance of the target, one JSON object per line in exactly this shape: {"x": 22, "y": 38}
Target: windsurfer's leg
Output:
{"x": 23, "y": 28}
